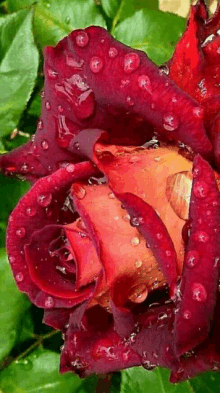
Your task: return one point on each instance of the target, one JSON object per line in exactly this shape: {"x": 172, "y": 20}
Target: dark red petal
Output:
{"x": 187, "y": 61}
{"x": 139, "y": 86}
{"x": 198, "y": 288}
{"x": 41, "y": 206}
{"x": 96, "y": 347}
{"x": 23, "y": 161}
{"x": 57, "y": 318}
{"x": 155, "y": 233}
{"x": 206, "y": 359}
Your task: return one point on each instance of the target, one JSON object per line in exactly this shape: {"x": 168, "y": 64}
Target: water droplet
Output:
{"x": 96, "y": 64}
{"x": 168, "y": 253}
{"x": 178, "y": 192}
{"x": 52, "y": 74}
{"x": 135, "y": 241}
{"x": 129, "y": 101}
{"x": 20, "y": 232}
{"x": 44, "y": 145}
{"x": 31, "y": 211}
{"x": 49, "y": 302}
{"x": 44, "y": 199}
{"x": 170, "y": 122}
{"x": 138, "y": 294}
{"x": 47, "y": 105}
{"x": 78, "y": 191}
{"x": 112, "y": 52}
{"x": 187, "y": 314}
{"x": 159, "y": 236}
{"x": 216, "y": 262}
{"x": 201, "y": 189}
{"x": 131, "y": 62}
{"x": 111, "y": 195}
{"x": 197, "y": 111}
{"x": 70, "y": 168}
{"x": 192, "y": 258}
{"x": 126, "y": 217}
{"x": 19, "y": 277}
{"x": 82, "y": 39}
{"x": 148, "y": 365}
{"x": 199, "y": 292}
{"x": 135, "y": 222}
{"x": 138, "y": 263}
{"x": 144, "y": 83}
{"x": 60, "y": 109}
{"x": 42, "y": 94}
{"x": 164, "y": 70}
{"x": 201, "y": 236}
{"x": 67, "y": 20}
{"x": 11, "y": 259}
{"x": 40, "y": 125}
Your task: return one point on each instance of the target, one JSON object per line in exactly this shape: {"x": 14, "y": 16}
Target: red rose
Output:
{"x": 118, "y": 242}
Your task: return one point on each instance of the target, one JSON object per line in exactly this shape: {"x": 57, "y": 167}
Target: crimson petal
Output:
{"x": 154, "y": 231}
{"x": 96, "y": 347}
{"x": 200, "y": 273}
{"x": 38, "y": 208}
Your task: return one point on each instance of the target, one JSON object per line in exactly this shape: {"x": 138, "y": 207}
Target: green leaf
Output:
{"x": 55, "y": 19}
{"x": 118, "y": 9}
{"x": 11, "y": 192}
{"x": 15, "y": 5}
{"x": 13, "y": 305}
{"x": 27, "y": 328}
{"x": 154, "y": 32}
{"x": 39, "y": 373}
{"x": 18, "y": 67}
{"x": 208, "y": 382}
{"x": 35, "y": 107}
{"x": 139, "y": 380}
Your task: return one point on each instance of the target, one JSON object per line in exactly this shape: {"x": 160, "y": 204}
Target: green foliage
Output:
{"x": 13, "y": 306}
{"x": 155, "y": 32}
{"x": 38, "y": 372}
{"x": 114, "y": 8}
{"x": 18, "y": 67}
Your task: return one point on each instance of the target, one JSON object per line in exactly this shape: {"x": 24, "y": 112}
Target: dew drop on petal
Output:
{"x": 96, "y": 64}
{"x": 138, "y": 263}
{"x": 11, "y": 259}
{"x": 144, "y": 83}
{"x": 70, "y": 168}
{"x": 82, "y": 39}
{"x": 20, "y": 232}
{"x": 40, "y": 125}
{"x": 112, "y": 52}
{"x": 138, "y": 294}
{"x": 44, "y": 199}
{"x": 79, "y": 191}
{"x": 199, "y": 292}
{"x": 201, "y": 189}
{"x": 129, "y": 101}
{"x": 187, "y": 314}
{"x": 111, "y": 195}
{"x": 31, "y": 211}
{"x": 135, "y": 222}
{"x": 201, "y": 236}
{"x": 60, "y": 109}
{"x": 48, "y": 106}
{"x": 198, "y": 112}
{"x": 170, "y": 122}
{"x": 192, "y": 258}
{"x": 19, "y": 277}
{"x": 44, "y": 145}
{"x": 42, "y": 94}
{"x": 135, "y": 241}
{"x": 159, "y": 236}
{"x": 131, "y": 62}
{"x": 52, "y": 74}
{"x": 49, "y": 302}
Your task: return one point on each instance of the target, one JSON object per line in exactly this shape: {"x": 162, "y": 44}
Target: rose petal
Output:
{"x": 200, "y": 272}
{"x": 96, "y": 348}
{"x": 40, "y": 207}
{"x": 155, "y": 233}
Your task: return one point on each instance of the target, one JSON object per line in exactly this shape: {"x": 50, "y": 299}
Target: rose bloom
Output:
{"x": 118, "y": 238}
